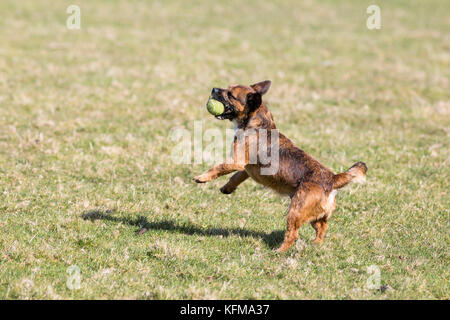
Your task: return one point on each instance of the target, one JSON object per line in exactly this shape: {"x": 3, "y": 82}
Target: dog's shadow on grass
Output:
{"x": 272, "y": 239}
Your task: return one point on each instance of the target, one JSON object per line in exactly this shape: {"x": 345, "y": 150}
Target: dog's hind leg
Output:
{"x": 321, "y": 227}
{"x": 234, "y": 182}
{"x": 301, "y": 210}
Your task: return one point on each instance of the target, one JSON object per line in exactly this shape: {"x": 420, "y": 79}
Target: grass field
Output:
{"x": 85, "y": 153}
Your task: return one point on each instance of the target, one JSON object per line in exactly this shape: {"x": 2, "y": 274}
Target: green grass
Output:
{"x": 85, "y": 117}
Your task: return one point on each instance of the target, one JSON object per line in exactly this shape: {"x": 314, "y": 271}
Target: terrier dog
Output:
{"x": 310, "y": 185}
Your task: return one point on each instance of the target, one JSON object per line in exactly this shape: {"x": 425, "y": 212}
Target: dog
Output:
{"x": 311, "y": 186}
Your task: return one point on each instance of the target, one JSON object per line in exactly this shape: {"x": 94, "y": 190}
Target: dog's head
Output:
{"x": 240, "y": 101}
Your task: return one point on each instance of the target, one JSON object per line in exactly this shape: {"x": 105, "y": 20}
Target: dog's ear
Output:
{"x": 262, "y": 87}
{"x": 253, "y": 100}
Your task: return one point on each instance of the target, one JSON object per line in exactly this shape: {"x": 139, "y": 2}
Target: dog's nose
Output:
{"x": 215, "y": 91}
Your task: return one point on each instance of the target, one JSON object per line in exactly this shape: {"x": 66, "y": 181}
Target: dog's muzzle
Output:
{"x": 229, "y": 112}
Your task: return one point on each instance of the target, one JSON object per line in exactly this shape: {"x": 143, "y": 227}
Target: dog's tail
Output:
{"x": 356, "y": 173}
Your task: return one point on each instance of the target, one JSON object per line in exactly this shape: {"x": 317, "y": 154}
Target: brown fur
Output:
{"x": 310, "y": 185}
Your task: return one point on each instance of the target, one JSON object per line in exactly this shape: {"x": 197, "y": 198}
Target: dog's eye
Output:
{"x": 230, "y": 95}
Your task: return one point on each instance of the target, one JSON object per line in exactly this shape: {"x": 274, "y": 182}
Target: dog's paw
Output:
{"x": 201, "y": 178}
{"x": 282, "y": 248}
{"x": 225, "y": 190}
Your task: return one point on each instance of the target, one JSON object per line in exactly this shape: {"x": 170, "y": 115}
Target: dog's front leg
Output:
{"x": 217, "y": 171}
{"x": 237, "y": 161}
{"x": 234, "y": 181}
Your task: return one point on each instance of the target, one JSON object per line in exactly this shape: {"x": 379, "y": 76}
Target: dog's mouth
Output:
{"x": 229, "y": 112}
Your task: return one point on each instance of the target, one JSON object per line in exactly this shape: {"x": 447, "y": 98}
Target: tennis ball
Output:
{"x": 215, "y": 107}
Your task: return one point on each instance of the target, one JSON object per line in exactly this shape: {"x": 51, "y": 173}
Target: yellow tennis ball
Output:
{"x": 215, "y": 107}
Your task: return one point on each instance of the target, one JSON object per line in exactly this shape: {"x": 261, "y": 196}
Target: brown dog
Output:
{"x": 311, "y": 186}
